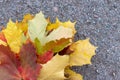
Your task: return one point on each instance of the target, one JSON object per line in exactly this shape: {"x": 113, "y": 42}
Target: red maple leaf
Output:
{"x": 29, "y": 69}
{"x": 22, "y": 67}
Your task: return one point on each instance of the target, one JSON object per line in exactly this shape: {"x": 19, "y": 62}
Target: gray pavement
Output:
{"x": 97, "y": 19}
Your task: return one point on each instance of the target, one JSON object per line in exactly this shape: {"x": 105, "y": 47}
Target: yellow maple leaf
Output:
{"x": 24, "y": 24}
{"x": 58, "y": 23}
{"x": 13, "y": 36}
{"x": 83, "y": 51}
{"x": 54, "y": 69}
{"x": 71, "y": 75}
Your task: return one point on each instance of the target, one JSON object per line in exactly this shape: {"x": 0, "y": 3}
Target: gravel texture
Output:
{"x": 97, "y": 19}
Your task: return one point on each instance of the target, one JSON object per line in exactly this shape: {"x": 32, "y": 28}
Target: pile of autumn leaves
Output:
{"x": 36, "y": 49}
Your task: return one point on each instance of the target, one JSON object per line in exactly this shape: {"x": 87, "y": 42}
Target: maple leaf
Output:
{"x": 37, "y": 29}
{"x": 13, "y": 36}
{"x": 71, "y": 75}
{"x": 83, "y": 51}
{"x": 11, "y": 68}
{"x": 48, "y": 72}
{"x": 29, "y": 69}
{"x": 23, "y": 25}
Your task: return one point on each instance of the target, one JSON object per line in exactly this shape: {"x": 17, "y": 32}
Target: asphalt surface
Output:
{"x": 97, "y": 19}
